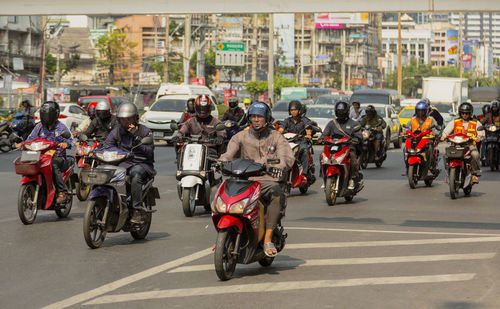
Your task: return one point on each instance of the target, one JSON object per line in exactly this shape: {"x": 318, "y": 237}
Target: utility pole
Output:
{"x": 42, "y": 59}
{"x": 187, "y": 47}
{"x": 167, "y": 45}
{"x": 200, "y": 59}
{"x": 342, "y": 47}
{"x": 58, "y": 66}
{"x": 400, "y": 67}
{"x": 302, "y": 53}
{"x": 270, "y": 73}
{"x": 460, "y": 65}
{"x": 255, "y": 47}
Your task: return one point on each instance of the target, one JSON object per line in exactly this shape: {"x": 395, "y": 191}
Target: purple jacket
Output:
{"x": 125, "y": 140}
{"x": 53, "y": 135}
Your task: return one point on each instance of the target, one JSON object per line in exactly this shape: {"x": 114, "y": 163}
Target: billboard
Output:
{"x": 336, "y": 20}
{"x": 284, "y": 27}
{"x": 451, "y": 46}
{"x": 230, "y": 28}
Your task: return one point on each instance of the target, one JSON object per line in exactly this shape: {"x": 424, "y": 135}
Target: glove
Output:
{"x": 175, "y": 139}
{"x": 275, "y": 172}
{"x": 219, "y": 140}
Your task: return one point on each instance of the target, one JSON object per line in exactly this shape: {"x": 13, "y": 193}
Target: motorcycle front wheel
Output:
{"x": 364, "y": 160}
{"x": 452, "y": 181}
{"x": 26, "y": 206}
{"x": 94, "y": 230}
{"x": 189, "y": 201}
{"x": 224, "y": 259}
{"x": 411, "y": 176}
{"x": 330, "y": 194}
{"x": 492, "y": 158}
{"x": 63, "y": 212}
{"x": 82, "y": 191}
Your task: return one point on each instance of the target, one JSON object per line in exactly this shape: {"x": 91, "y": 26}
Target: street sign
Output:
{"x": 230, "y": 46}
{"x": 229, "y": 58}
{"x": 322, "y": 57}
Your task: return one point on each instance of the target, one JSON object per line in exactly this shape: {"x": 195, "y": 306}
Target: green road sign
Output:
{"x": 230, "y": 46}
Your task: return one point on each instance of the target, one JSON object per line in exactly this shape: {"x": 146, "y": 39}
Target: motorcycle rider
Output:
{"x": 203, "y": 124}
{"x": 422, "y": 121}
{"x": 190, "y": 112}
{"x": 342, "y": 126}
{"x": 493, "y": 117}
{"x": 374, "y": 121}
{"x": 28, "y": 116}
{"x": 465, "y": 125}
{"x": 127, "y": 135}
{"x": 260, "y": 143}
{"x": 486, "y": 110}
{"x": 434, "y": 113}
{"x": 86, "y": 123}
{"x": 247, "y": 103}
{"x": 357, "y": 113}
{"x": 234, "y": 112}
{"x": 51, "y": 129}
{"x": 297, "y": 124}
{"x": 103, "y": 123}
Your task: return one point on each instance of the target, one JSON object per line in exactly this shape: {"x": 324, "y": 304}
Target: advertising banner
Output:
{"x": 231, "y": 28}
{"x": 337, "y": 20}
{"x": 451, "y": 46}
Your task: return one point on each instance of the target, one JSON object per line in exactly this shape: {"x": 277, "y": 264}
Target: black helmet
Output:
{"x": 49, "y": 112}
{"x": 203, "y": 106}
{"x": 190, "y": 106}
{"x": 26, "y": 101}
{"x": 486, "y": 109}
{"x": 371, "y": 111}
{"x": 91, "y": 112}
{"x": 103, "y": 110}
{"x": 233, "y": 102}
{"x": 342, "y": 111}
{"x": 295, "y": 105}
{"x": 465, "y": 107}
{"x": 495, "y": 107}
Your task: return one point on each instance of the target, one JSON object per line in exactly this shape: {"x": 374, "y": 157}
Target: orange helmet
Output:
{"x": 203, "y": 106}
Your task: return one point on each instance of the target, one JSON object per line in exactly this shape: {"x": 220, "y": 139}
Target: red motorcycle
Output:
{"x": 239, "y": 218}
{"x": 419, "y": 166}
{"x": 458, "y": 156}
{"x": 37, "y": 189}
{"x": 335, "y": 166}
{"x": 83, "y": 149}
{"x": 296, "y": 177}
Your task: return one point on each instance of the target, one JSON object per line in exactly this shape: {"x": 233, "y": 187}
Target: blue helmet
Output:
{"x": 422, "y": 106}
{"x": 261, "y": 109}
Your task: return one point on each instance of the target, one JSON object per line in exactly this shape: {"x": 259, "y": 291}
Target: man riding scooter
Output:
{"x": 235, "y": 113}
{"x": 260, "y": 143}
{"x": 127, "y": 136}
{"x": 297, "y": 124}
{"x": 374, "y": 121}
{"x": 102, "y": 124}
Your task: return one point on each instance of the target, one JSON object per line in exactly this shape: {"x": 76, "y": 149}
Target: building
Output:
{"x": 484, "y": 27}
{"x": 438, "y": 45}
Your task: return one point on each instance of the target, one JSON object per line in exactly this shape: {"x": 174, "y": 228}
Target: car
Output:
{"x": 329, "y": 99}
{"x": 165, "y": 110}
{"x": 393, "y": 131}
{"x": 376, "y": 96}
{"x": 406, "y": 114}
{"x": 447, "y": 111}
{"x": 70, "y": 114}
{"x": 321, "y": 114}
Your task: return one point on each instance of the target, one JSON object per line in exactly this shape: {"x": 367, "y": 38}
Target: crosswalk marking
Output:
{"x": 280, "y": 263}
{"x": 277, "y": 287}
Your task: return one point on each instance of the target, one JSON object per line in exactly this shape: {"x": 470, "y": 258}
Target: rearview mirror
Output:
{"x": 174, "y": 126}
{"x": 221, "y": 126}
{"x": 148, "y": 140}
{"x": 481, "y": 128}
{"x": 356, "y": 128}
{"x": 66, "y": 134}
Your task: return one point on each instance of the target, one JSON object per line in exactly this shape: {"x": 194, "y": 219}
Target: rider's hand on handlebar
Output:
{"x": 175, "y": 139}
{"x": 275, "y": 172}
{"x": 19, "y": 145}
{"x": 477, "y": 139}
{"x": 443, "y": 138}
{"x": 63, "y": 145}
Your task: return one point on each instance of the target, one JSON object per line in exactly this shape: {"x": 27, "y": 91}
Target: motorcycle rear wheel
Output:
{"x": 468, "y": 190}
{"x": 303, "y": 189}
{"x": 188, "y": 201}
{"x": 266, "y": 262}
{"x": 492, "y": 158}
{"x": 224, "y": 260}
{"x": 330, "y": 193}
{"x": 452, "y": 181}
{"x": 411, "y": 176}
{"x": 25, "y": 202}
{"x": 63, "y": 212}
{"x": 428, "y": 182}
{"x": 93, "y": 232}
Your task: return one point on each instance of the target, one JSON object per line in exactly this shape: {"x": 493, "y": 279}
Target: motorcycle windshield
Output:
{"x": 242, "y": 168}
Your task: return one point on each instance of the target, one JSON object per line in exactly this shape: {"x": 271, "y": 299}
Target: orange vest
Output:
{"x": 471, "y": 128}
{"x": 415, "y": 124}
{"x": 491, "y": 120}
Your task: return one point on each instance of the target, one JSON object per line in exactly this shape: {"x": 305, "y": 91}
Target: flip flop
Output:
{"x": 270, "y": 246}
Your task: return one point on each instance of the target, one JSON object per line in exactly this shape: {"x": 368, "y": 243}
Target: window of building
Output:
{"x": 421, "y": 46}
{"x": 442, "y": 48}
{"x": 12, "y": 19}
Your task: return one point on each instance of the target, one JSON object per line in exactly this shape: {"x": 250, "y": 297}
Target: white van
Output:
{"x": 188, "y": 90}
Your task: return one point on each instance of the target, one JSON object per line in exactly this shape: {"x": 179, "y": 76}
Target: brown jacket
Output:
{"x": 194, "y": 127}
{"x": 251, "y": 145}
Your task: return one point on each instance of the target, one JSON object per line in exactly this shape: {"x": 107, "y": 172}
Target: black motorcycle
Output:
{"x": 369, "y": 155}
{"x": 492, "y": 145}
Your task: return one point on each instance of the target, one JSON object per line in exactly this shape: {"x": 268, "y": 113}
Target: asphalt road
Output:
{"x": 391, "y": 247}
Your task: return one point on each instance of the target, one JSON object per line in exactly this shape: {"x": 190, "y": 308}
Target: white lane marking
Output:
{"x": 277, "y": 287}
{"x": 128, "y": 280}
{"x": 351, "y": 261}
{"x": 388, "y": 231}
{"x": 379, "y": 243}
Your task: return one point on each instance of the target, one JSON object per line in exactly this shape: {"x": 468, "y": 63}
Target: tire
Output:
{"x": 303, "y": 190}
{"x": 330, "y": 193}
{"x": 26, "y": 208}
{"x": 94, "y": 234}
{"x": 411, "y": 178}
{"x": 364, "y": 160}
{"x": 492, "y": 159}
{"x": 5, "y": 145}
{"x": 266, "y": 262}
{"x": 453, "y": 183}
{"x": 225, "y": 262}
{"x": 468, "y": 190}
{"x": 348, "y": 198}
{"x": 143, "y": 231}
{"x": 428, "y": 182}
{"x": 387, "y": 140}
{"x": 63, "y": 212}
{"x": 378, "y": 164}
{"x": 82, "y": 192}
{"x": 398, "y": 142}
{"x": 188, "y": 201}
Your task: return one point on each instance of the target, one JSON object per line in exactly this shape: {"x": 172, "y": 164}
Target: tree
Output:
{"x": 65, "y": 65}
{"x": 256, "y": 88}
{"x": 259, "y": 87}
{"x": 116, "y": 52}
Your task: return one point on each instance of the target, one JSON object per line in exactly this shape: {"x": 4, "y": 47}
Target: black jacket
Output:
{"x": 101, "y": 129}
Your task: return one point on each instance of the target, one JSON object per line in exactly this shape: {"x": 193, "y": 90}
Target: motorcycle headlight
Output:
{"x": 87, "y": 150}
{"x": 339, "y": 159}
{"x": 110, "y": 156}
{"x": 366, "y": 134}
{"x": 219, "y": 206}
{"x": 36, "y": 146}
{"x": 238, "y": 207}
{"x": 492, "y": 128}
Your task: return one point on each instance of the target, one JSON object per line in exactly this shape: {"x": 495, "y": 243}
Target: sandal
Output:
{"x": 270, "y": 246}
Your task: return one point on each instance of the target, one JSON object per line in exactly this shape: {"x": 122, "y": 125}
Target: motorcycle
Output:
{"x": 239, "y": 219}
{"x": 368, "y": 154}
{"x": 5, "y": 133}
{"x": 416, "y": 150}
{"x": 232, "y": 128}
{"x": 37, "y": 190}
{"x": 295, "y": 177}
{"x": 492, "y": 145}
{"x": 108, "y": 209}
{"x": 335, "y": 167}
{"x": 84, "y": 160}
{"x": 458, "y": 156}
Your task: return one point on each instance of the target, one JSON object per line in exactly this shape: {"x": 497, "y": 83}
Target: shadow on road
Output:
{"x": 452, "y": 224}
{"x": 460, "y": 305}
{"x": 340, "y": 219}
{"x": 282, "y": 263}
{"x": 125, "y": 239}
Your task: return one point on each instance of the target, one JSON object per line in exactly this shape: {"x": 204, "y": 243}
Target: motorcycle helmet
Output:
{"x": 342, "y": 111}
{"x": 465, "y": 107}
{"x": 103, "y": 110}
{"x": 203, "y": 106}
{"x": 295, "y": 105}
{"x": 486, "y": 109}
{"x": 421, "y": 109}
{"x": 190, "y": 106}
{"x": 371, "y": 111}
{"x": 233, "y": 102}
{"x": 261, "y": 109}
{"x": 91, "y": 110}
{"x": 127, "y": 114}
{"x": 49, "y": 112}
{"x": 495, "y": 107}
{"x": 27, "y": 102}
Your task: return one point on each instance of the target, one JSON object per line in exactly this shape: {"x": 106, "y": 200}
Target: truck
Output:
{"x": 444, "y": 94}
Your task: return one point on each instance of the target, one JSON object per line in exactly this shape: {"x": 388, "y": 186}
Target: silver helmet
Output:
{"x": 127, "y": 110}
{"x": 103, "y": 106}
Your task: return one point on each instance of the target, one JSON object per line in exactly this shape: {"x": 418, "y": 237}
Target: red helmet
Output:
{"x": 203, "y": 106}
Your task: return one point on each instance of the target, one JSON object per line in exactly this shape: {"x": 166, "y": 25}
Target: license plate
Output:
{"x": 157, "y": 134}
{"x": 29, "y": 156}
